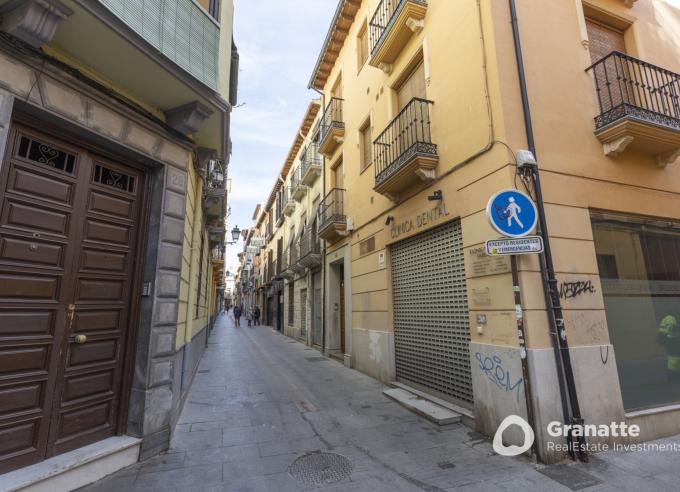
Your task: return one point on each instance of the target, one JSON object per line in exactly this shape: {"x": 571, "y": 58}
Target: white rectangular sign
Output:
{"x": 516, "y": 246}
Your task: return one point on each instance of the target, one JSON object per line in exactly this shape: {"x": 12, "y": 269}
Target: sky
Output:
{"x": 278, "y": 42}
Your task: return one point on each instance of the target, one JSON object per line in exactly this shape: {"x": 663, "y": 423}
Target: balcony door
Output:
{"x": 339, "y": 176}
{"x": 603, "y": 39}
{"x": 412, "y": 86}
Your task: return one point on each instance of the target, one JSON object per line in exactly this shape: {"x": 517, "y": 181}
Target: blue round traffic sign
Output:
{"x": 512, "y": 213}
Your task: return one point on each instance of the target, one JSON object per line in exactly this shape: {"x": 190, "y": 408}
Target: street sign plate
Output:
{"x": 516, "y": 246}
{"x": 512, "y": 213}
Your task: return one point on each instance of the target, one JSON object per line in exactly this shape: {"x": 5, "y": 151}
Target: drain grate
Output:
{"x": 316, "y": 359}
{"x": 570, "y": 476}
{"x": 320, "y": 468}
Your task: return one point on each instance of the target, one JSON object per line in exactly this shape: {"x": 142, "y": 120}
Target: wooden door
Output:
{"x": 68, "y": 230}
{"x": 413, "y": 86}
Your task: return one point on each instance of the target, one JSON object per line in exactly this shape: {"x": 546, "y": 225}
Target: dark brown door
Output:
{"x": 68, "y": 229}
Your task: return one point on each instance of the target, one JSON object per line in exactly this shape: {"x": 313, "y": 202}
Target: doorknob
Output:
{"x": 80, "y": 339}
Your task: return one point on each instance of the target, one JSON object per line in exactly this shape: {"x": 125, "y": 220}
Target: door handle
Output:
{"x": 80, "y": 339}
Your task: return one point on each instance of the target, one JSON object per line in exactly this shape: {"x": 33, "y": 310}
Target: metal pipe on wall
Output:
{"x": 567, "y": 385}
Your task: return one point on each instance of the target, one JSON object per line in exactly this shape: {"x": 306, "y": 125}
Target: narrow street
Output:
{"x": 261, "y": 400}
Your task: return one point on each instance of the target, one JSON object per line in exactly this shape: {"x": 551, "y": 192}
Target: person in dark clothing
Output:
{"x": 237, "y": 315}
{"x": 256, "y": 316}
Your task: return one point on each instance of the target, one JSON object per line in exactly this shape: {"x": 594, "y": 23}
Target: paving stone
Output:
{"x": 259, "y": 407}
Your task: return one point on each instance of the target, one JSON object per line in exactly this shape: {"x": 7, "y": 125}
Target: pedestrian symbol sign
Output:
{"x": 512, "y": 213}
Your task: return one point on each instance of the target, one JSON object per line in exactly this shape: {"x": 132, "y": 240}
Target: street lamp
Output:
{"x": 235, "y": 234}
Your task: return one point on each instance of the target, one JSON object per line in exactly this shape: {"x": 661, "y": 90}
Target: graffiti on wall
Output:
{"x": 493, "y": 369}
{"x": 571, "y": 290}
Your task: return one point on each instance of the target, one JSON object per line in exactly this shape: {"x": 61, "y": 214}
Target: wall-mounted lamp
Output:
{"x": 235, "y": 234}
{"x": 436, "y": 196}
{"x": 389, "y": 220}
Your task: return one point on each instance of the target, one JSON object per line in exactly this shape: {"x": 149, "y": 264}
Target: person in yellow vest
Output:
{"x": 668, "y": 337}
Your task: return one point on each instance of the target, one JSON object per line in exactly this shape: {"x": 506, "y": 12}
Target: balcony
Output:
{"x": 310, "y": 249}
{"x": 332, "y": 129}
{"x": 287, "y": 270}
{"x": 639, "y": 107}
{"x": 293, "y": 260}
{"x": 332, "y": 219}
{"x": 404, "y": 154}
{"x": 391, "y": 27}
{"x": 216, "y": 231}
{"x": 310, "y": 164}
{"x": 215, "y": 188}
{"x": 297, "y": 187}
{"x": 287, "y": 202}
{"x": 164, "y": 52}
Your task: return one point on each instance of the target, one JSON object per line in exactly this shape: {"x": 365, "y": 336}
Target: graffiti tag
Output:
{"x": 570, "y": 290}
{"x": 492, "y": 367}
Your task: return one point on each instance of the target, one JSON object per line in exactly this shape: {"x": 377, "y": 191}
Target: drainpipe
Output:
{"x": 323, "y": 253}
{"x": 558, "y": 336}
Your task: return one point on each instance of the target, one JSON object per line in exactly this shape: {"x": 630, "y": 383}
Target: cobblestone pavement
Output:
{"x": 260, "y": 400}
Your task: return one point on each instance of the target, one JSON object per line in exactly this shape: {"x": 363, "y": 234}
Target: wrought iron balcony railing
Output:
{"x": 332, "y": 209}
{"x": 310, "y": 164}
{"x": 332, "y": 121}
{"x": 630, "y": 88}
{"x": 297, "y": 187}
{"x": 383, "y": 19}
{"x": 217, "y": 253}
{"x": 406, "y": 137}
{"x": 215, "y": 177}
{"x": 310, "y": 248}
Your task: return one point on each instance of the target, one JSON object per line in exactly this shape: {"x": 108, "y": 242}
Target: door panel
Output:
{"x": 68, "y": 230}
{"x": 35, "y": 228}
{"x": 413, "y": 86}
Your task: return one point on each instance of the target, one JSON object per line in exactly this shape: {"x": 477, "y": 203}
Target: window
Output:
{"x": 366, "y": 145}
{"x": 291, "y": 304}
{"x": 639, "y": 263}
{"x": 362, "y": 47}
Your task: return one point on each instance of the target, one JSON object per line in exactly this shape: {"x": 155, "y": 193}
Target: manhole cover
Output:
{"x": 320, "y": 468}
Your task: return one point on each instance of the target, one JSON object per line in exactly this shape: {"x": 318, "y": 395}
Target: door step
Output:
{"x": 76, "y": 468}
{"x": 425, "y": 408}
{"x": 339, "y": 356}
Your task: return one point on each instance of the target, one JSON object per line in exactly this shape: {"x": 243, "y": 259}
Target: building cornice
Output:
{"x": 335, "y": 39}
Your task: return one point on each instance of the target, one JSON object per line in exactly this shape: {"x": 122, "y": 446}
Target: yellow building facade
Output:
{"x": 422, "y": 122}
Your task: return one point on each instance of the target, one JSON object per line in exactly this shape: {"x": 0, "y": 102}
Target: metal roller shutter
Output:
{"x": 431, "y": 324}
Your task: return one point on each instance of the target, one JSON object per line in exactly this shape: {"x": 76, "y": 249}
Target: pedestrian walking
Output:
{"x": 249, "y": 316}
{"x": 237, "y": 315}
{"x": 256, "y": 316}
